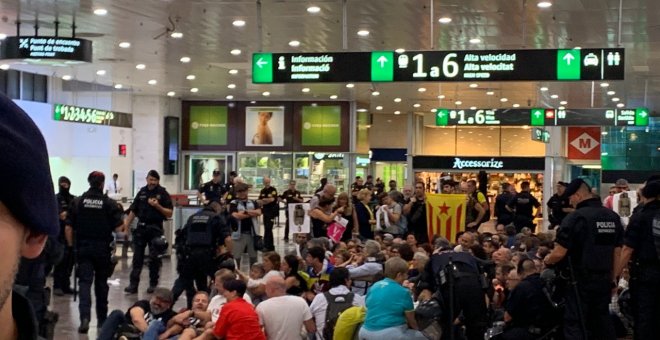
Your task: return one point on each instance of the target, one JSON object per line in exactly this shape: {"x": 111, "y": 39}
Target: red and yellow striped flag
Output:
{"x": 445, "y": 215}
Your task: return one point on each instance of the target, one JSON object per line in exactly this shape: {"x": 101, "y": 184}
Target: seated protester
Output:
{"x": 193, "y": 319}
{"x": 215, "y": 305}
{"x": 319, "y": 270}
{"x": 499, "y": 284}
{"x": 140, "y": 315}
{"x": 334, "y": 301}
{"x": 282, "y": 315}
{"x": 528, "y": 313}
{"x": 390, "y": 310}
{"x": 368, "y": 268}
{"x": 238, "y": 319}
{"x": 417, "y": 266}
{"x": 271, "y": 264}
{"x": 349, "y": 322}
{"x": 295, "y": 282}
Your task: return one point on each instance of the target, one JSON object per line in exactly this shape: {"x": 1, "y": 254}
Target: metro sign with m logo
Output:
{"x": 584, "y": 143}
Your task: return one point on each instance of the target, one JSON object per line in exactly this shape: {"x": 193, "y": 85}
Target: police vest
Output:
{"x": 655, "y": 229}
{"x": 92, "y": 217}
{"x": 600, "y": 238}
{"x": 200, "y": 230}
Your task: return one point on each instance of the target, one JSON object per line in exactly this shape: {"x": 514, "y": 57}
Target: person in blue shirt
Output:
{"x": 390, "y": 310}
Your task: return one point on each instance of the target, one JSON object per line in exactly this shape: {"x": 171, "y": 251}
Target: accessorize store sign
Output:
{"x": 321, "y": 126}
{"x": 208, "y": 125}
{"x": 479, "y": 163}
{"x": 77, "y": 114}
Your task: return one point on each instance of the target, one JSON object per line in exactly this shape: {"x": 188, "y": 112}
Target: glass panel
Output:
{"x": 439, "y": 141}
{"x": 311, "y": 167}
{"x": 255, "y": 166}
{"x": 517, "y": 142}
{"x": 478, "y": 141}
{"x": 199, "y": 169}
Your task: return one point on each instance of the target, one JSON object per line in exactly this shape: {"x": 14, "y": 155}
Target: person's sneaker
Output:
{"x": 84, "y": 326}
{"x": 58, "y": 292}
{"x": 131, "y": 289}
{"x": 151, "y": 289}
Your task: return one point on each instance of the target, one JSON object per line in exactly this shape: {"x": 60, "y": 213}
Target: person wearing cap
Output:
{"x": 26, "y": 219}
{"x": 139, "y": 316}
{"x": 62, "y": 271}
{"x": 152, "y": 206}
{"x": 559, "y": 206}
{"x": 92, "y": 218}
{"x": 213, "y": 190}
{"x": 641, "y": 244}
{"x": 587, "y": 248}
{"x": 229, "y": 194}
{"x": 290, "y": 196}
{"x": 270, "y": 209}
{"x": 620, "y": 186}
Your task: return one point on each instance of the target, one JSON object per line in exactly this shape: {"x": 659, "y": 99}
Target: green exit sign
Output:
{"x": 537, "y": 117}
{"x": 641, "y": 116}
{"x": 441, "y": 117}
{"x": 541, "y": 135}
{"x": 568, "y": 64}
{"x": 382, "y": 66}
{"x": 262, "y": 68}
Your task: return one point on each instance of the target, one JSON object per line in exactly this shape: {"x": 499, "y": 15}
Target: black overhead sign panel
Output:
{"x": 68, "y": 50}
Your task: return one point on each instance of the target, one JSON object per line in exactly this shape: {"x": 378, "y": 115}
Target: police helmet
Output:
{"x": 159, "y": 246}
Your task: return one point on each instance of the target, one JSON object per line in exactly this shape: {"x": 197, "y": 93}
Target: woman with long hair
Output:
{"x": 364, "y": 217}
{"x": 343, "y": 201}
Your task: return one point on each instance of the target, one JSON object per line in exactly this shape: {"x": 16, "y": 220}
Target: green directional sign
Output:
{"x": 537, "y": 117}
{"x": 441, "y": 117}
{"x": 641, "y": 116}
{"x": 262, "y": 68}
{"x": 568, "y": 64}
{"x": 382, "y": 66}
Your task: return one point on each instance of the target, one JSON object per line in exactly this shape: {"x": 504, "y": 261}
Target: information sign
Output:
{"x": 77, "y": 114}
{"x": 47, "y": 49}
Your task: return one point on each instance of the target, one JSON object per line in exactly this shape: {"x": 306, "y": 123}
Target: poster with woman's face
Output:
{"x": 264, "y": 126}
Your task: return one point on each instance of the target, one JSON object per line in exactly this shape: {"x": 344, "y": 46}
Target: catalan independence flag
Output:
{"x": 445, "y": 214}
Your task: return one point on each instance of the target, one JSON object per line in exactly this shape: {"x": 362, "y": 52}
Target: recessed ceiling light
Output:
{"x": 397, "y": 100}
{"x": 231, "y": 86}
{"x": 152, "y": 82}
{"x": 176, "y": 35}
{"x": 417, "y": 105}
{"x": 475, "y": 41}
{"x": 444, "y": 20}
{"x": 397, "y": 112}
{"x": 563, "y": 102}
{"x": 544, "y": 4}
{"x": 294, "y": 43}
{"x": 64, "y": 77}
{"x": 119, "y": 86}
{"x": 100, "y": 11}
{"x": 434, "y": 110}
{"x": 442, "y": 96}
{"x": 229, "y": 97}
{"x": 3, "y": 36}
{"x": 313, "y": 9}
{"x": 238, "y": 23}
{"x": 266, "y": 94}
{"x": 350, "y": 85}
{"x": 306, "y": 89}
{"x": 516, "y": 105}
{"x": 611, "y": 93}
{"x": 361, "y": 110}
{"x": 620, "y": 105}
{"x": 379, "y": 107}
{"x": 140, "y": 66}
{"x": 474, "y": 85}
{"x": 458, "y": 102}
{"x": 562, "y": 108}
{"x": 191, "y": 77}
{"x": 235, "y": 51}
{"x": 615, "y": 99}
{"x": 5, "y": 67}
{"x": 124, "y": 44}
{"x": 334, "y": 96}
{"x": 490, "y": 93}
{"x": 554, "y": 96}
{"x": 185, "y": 59}
{"x": 577, "y": 48}
{"x": 194, "y": 90}
{"x": 473, "y": 107}
{"x": 363, "y": 33}
{"x": 375, "y": 93}
{"x": 171, "y": 94}
{"x": 543, "y": 89}
{"x": 604, "y": 84}
{"x": 100, "y": 72}
{"x": 233, "y": 71}
{"x": 400, "y": 50}
{"x": 504, "y": 100}
{"x": 421, "y": 89}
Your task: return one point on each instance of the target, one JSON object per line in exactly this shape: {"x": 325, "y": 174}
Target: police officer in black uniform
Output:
{"x": 63, "y": 269}
{"x": 152, "y": 205}
{"x": 290, "y": 196}
{"x": 270, "y": 209}
{"x": 213, "y": 190}
{"x": 455, "y": 278}
{"x": 587, "y": 246}
{"x": 559, "y": 206}
{"x": 229, "y": 193}
{"x": 642, "y": 245}
{"x": 196, "y": 246}
{"x": 523, "y": 204}
{"x": 92, "y": 219}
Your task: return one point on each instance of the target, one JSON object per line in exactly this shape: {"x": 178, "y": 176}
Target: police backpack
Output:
{"x": 199, "y": 233}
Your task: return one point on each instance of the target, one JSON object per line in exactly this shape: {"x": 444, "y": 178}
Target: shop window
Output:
{"x": 439, "y": 141}
{"x": 198, "y": 169}
{"x": 311, "y": 167}
{"x": 477, "y": 141}
{"x": 255, "y": 166}
{"x": 517, "y": 142}
{"x": 10, "y": 83}
{"x": 631, "y": 148}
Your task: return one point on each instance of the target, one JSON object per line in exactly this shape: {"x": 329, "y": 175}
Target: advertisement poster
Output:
{"x": 321, "y": 126}
{"x": 264, "y": 126}
{"x": 445, "y": 215}
{"x": 208, "y": 125}
{"x": 299, "y": 221}
{"x": 201, "y": 170}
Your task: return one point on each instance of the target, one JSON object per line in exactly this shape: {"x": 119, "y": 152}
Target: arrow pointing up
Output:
{"x": 568, "y": 58}
{"x": 261, "y": 62}
{"x": 537, "y": 113}
{"x": 382, "y": 60}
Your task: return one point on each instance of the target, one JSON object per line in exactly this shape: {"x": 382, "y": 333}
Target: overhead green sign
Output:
{"x": 78, "y": 114}
{"x": 382, "y": 66}
{"x": 541, "y": 135}
{"x": 441, "y": 117}
{"x": 262, "y": 68}
{"x": 538, "y": 117}
{"x": 642, "y": 116}
{"x": 208, "y": 125}
{"x": 321, "y": 126}
{"x": 568, "y": 64}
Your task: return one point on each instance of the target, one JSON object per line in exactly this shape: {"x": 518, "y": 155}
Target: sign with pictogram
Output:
{"x": 584, "y": 143}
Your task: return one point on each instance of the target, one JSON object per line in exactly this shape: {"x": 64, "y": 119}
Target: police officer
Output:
{"x": 270, "y": 209}
{"x": 213, "y": 190}
{"x": 197, "y": 243}
{"x": 63, "y": 269}
{"x": 559, "y": 206}
{"x": 456, "y": 276}
{"x": 229, "y": 193}
{"x": 92, "y": 219}
{"x": 523, "y": 204}
{"x": 642, "y": 245}
{"x": 587, "y": 246}
{"x": 290, "y": 196}
{"x": 152, "y": 205}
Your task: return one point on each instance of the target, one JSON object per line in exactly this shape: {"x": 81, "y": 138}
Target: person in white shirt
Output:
{"x": 283, "y": 316}
{"x": 216, "y": 303}
{"x": 113, "y": 187}
{"x": 339, "y": 282}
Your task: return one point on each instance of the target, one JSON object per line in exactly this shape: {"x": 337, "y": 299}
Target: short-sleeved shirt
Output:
{"x": 283, "y": 316}
{"x": 639, "y": 233}
{"x": 149, "y": 317}
{"x": 145, "y": 212}
{"x": 238, "y": 321}
{"x": 387, "y": 302}
{"x": 290, "y": 195}
{"x": 212, "y": 191}
{"x": 270, "y": 209}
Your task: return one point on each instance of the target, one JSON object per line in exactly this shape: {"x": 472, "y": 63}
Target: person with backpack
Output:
{"x": 327, "y": 307}
{"x": 196, "y": 246}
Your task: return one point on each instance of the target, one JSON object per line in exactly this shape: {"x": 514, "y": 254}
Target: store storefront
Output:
{"x": 390, "y": 164}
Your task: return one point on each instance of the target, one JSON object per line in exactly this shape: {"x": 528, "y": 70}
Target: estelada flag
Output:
{"x": 445, "y": 214}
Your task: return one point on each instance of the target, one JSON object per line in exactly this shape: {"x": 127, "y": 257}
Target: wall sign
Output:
{"x": 540, "y": 135}
{"x": 583, "y": 143}
{"x": 467, "y": 163}
{"x": 77, "y": 114}
{"x": 321, "y": 126}
{"x": 319, "y": 155}
{"x": 208, "y": 125}
{"x": 45, "y": 49}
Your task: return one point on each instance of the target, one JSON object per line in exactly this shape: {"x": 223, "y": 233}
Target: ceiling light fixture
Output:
{"x": 444, "y": 20}
{"x": 100, "y": 72}
{"x": 561, "y": 108}
{"x": 504, "y": 100}
{"x": 140, "y": 66}
{"x": 266, "y": 94}
{"x": 229, "y": 97}
{"x": 611, "y": 93}
{"x": 124, "y": 44}
{"x": 350, "y": 85}
{"x": 442, "y": 96}
{"x": 544, "y": 4}
{"x": 313, "y": 9}
{"x": 233, "y": 71}
{"x": 119, "y": 86}
{"x": 363, "y": 33}
{"x": 5, "y": 67}
{"x": 604, "y": 84}
{"x": 434, "y": 110}
{"x": 473, "y": 107}
{"x": 235, "y": 51}
{"x": 615, "y": 99}
{"x": 191, "y": 77}
{"x": 64, "y": 77}
{"x": 176, "y": 35}
{"x": 231, "y": 86}
{"x": 563, "y": 102}
{"x": 375, "y": 93}
{"x": 171, "y": 94}
{"x": 185, "y": 59}
{"x": 516, "y": 105}
{"x": 554, "y": 96}
{"x": 100, "y": 11}
{"x": 152, "y": 82}
{"x": 238, "y": 23}
{"x": 333, "y": 97}
{"x": 417, "y": 105}
{"x": 194, "y": 90}
{"x": 3, "y": 36}
{"x": 379, "y": 107}
{"x": 400, "y": 50}
{"x": 475, "y": 41}
{"x": 306, "y": 89}
{"x": 543, "y": 89}
{"x": 458, "y": 102}
{"x": 577, "y": 47}
{"x": 474, "y": 85}
{"x": 397, "y": 112}
{"x": 397, "y": 100}
{"x": 294, "y": 43}
{"x": 421, "y": 89}
{"x": 620, "y": 105}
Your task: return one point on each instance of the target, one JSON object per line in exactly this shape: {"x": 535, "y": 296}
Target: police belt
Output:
{"x": 158, "y": 225}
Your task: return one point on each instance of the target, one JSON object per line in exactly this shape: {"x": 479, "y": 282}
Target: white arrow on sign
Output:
{"x": 382, "y": 60}
{"x": 643, "y": 114}
{"x": 537, "y": 113}
{"x": 568, "y": 58}
{"x": 261, "y": 62}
